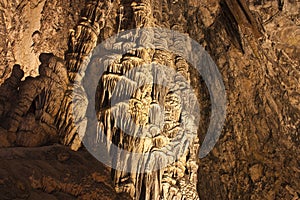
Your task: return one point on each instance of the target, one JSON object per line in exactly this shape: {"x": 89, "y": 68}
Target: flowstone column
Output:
{"x": 81, "y": 43}
{"x": 143, "y": 103}
{"x": 144, "y": 109}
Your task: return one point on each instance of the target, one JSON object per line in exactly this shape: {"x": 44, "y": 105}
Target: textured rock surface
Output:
{"x": 256, "y": 47}
{"x": 153, "y": 112}
{"x": 28, "y": 28}
{"x": 37, "y": 101}
{"x": 53, "y": 172}
{"x": 161, "y": 114}
{"x": 81, "y": 43}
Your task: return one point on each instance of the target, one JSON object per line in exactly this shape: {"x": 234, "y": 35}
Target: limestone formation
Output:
{"x": 143, "y": 96}
{"x": 9, "y": 90}
{"x": 141, "y": 109}
{"x": 37, "y": 102}
{"x": 82, "y": 41}
{"x": 43, "y": 110}
{"x": 151, "y": 104}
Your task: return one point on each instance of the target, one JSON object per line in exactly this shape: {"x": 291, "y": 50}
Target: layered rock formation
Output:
{"x": 255, "y": 45}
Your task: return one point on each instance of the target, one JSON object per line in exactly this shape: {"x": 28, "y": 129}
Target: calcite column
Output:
{"x": 81, "y": 43}
{"x": 141, "y": 101}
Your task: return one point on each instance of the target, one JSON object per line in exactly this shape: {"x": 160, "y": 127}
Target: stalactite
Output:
{"x": 143, "y": 110}
{"x": 153, "y": 103}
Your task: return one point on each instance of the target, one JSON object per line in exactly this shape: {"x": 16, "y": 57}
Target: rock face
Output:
{"x": 29, "y": 28}
{"x": 255, "y": 44}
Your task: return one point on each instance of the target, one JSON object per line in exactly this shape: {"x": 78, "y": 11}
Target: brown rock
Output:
{"x": 33, "y": 173}
{"x": 256, "y": 172}
{"x": 255, "y": 46}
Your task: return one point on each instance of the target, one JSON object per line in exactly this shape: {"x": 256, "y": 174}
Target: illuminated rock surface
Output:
{"x": 255, "y": 44}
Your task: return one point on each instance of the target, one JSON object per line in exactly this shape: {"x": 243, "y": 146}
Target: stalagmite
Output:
{"x": 9, "y": 90}
{"x": 81, "y": 43}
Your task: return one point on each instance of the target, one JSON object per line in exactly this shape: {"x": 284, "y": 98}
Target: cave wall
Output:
{"x": 28, "y": 28}
{"x": 255, "y": 44}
